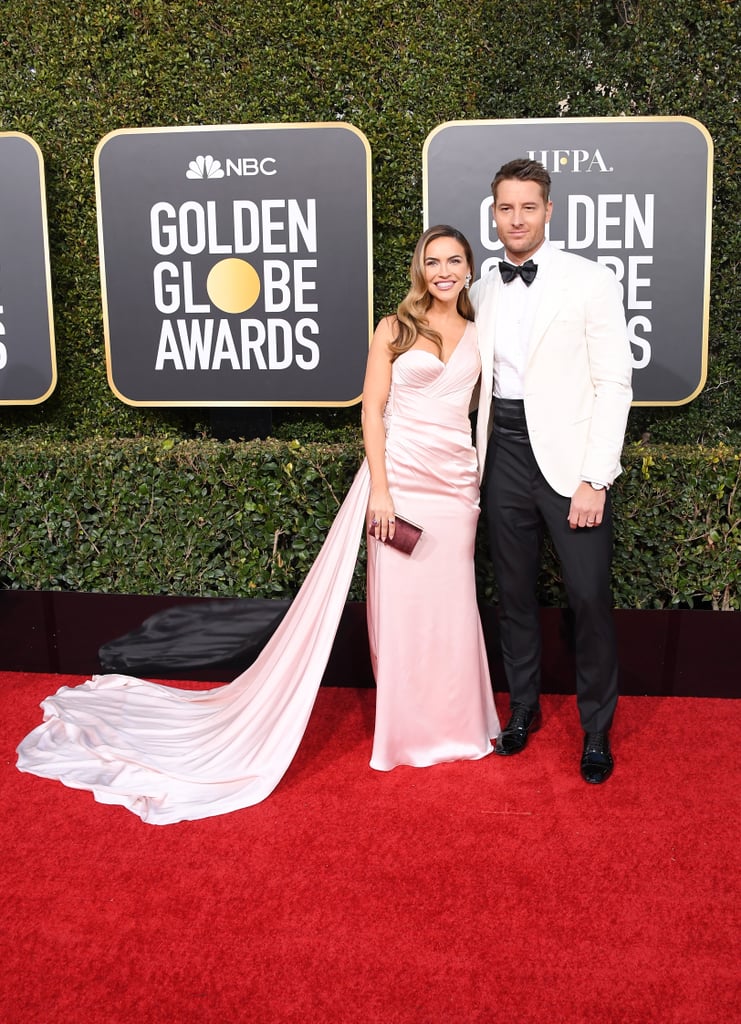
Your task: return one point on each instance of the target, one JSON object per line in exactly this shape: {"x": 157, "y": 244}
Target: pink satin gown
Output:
{"x": 169, "y": 754}
{"x": 434, "y": 700}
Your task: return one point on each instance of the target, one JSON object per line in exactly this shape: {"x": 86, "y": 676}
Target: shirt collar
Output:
{"x": 543, "y": 254}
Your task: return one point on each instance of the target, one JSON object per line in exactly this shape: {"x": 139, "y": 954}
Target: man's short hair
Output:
{"x": 523, "y": 170}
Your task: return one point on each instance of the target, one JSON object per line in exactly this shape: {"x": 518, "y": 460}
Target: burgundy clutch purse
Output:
{"x": 406, "y": 535}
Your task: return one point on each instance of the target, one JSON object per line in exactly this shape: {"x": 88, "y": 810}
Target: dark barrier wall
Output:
{"x": 671, "y": 653}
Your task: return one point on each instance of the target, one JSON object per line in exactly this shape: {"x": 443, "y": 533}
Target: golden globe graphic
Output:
{"x": 235, "y": 267}
{"x": 233, "y": 285}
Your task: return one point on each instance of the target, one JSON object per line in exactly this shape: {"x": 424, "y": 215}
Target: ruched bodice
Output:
{"x": 426, "y": 390}
{"x": 428, "y": 430}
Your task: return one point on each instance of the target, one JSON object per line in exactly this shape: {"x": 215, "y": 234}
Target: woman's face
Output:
{"x": 445, "y": 268}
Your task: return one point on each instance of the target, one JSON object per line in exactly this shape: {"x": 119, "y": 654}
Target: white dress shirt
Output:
{"x": 514, "y": 327}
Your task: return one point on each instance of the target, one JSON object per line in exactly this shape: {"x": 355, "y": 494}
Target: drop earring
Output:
{"x": 468, "y": 280}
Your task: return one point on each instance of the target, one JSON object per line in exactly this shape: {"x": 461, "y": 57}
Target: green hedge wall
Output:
{"x": 101, "y": 496}
{"x": 70, "y": 73}
{"x": 206, "y": 518}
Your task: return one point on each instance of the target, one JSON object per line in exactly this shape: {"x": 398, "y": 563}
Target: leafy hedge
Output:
{"x": 396, "y": 69}
{"x": 677, "y": 530}
{"x": 200, "y": 518}
{"x": 205, "y": 518}
{"x": 172, "y": 510}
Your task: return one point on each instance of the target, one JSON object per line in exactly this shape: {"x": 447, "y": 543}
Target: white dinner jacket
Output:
{"x": 577, "y": 389}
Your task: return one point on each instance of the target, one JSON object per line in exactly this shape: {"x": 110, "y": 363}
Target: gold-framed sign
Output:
{"x": 634, "y": 193}
{"x": 236, "y": 264}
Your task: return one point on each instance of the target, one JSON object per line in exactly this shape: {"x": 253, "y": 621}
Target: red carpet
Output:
{"x": 499, "y": 890}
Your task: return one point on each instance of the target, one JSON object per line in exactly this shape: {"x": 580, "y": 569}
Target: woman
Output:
{"x": 434, "y": 699}
{"x": 170, "y": 755}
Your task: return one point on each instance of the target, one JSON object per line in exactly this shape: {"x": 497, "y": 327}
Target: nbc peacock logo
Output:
{"x": 204, "y": 167}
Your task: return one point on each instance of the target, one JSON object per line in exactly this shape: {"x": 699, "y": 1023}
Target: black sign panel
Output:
{"x": 632, "y": 193}
{"x": 236, "y": 264}
{"x": 28, "y": 370}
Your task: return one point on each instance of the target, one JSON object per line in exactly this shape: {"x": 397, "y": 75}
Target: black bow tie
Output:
{"x": 526, "y": 271}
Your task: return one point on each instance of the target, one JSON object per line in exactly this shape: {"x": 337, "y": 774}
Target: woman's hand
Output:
{"x": 381, "y": 513}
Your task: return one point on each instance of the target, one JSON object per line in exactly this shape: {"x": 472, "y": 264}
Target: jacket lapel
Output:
{"x": 549, "y": 304}
{"x": 486, "y": 317}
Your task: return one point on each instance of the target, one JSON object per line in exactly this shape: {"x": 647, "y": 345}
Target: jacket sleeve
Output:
{"x": 610, "y": 365}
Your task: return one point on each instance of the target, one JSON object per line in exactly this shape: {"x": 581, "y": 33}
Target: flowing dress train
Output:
{"x": 169, "y": 754}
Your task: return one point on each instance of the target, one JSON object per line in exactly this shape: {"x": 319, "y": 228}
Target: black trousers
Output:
{"x": 519, "y": 505}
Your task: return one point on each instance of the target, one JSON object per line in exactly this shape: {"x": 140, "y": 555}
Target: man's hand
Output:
{"x": 587, "y": 506}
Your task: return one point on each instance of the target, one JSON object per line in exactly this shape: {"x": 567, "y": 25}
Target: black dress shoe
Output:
{"x": 596, "y": 759}
{"x": 522, "y": 722}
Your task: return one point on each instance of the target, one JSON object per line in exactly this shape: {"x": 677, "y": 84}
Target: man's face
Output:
{"x": 520, "y": 214}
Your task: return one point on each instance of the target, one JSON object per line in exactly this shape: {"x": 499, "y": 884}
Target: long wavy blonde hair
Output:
{"x": 411, "y": 316}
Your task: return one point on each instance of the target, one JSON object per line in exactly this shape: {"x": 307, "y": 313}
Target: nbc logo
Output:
{"x": 204, "y": 167}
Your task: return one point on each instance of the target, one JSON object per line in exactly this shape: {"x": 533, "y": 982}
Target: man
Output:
{"x": 556, "y": 361}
